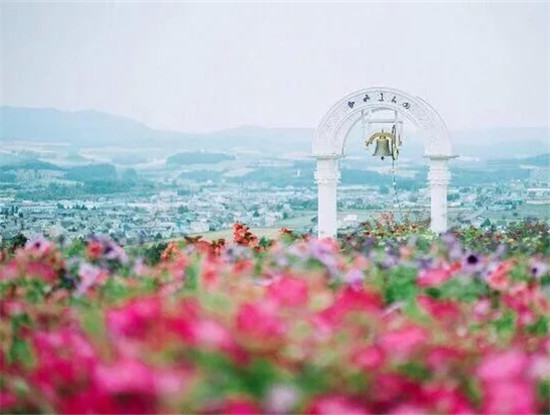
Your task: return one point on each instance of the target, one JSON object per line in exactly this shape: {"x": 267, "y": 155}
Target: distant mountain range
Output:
{"x": 92, "y": 129}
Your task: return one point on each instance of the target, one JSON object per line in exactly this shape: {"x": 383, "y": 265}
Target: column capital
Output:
{"x": 440, "y": 157}
{"x": 327, "y": 171}
{"x": 439, "y": 174}
{"x": 327, "y": 156}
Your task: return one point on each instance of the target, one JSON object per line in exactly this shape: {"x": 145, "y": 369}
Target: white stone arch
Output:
{"x": 330, "y": 140}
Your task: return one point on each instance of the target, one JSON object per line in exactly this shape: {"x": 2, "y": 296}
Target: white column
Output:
{"x": 327, "y": 176}
{"x": 439, "y": 178}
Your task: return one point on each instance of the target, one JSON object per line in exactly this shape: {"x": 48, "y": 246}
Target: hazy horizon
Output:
{"x": 253, "y": 126}
{"x": 208, "y": 67}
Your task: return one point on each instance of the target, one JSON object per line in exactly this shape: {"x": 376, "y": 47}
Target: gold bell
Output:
{"x": 382, "y": 148}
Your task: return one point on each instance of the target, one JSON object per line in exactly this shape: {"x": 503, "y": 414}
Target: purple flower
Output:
{"x": 282, "y": 399}
{"x": 454, "y": 246}
{"x": 472, "y": 262}
{"x": 110, "y": 250}
{"x": 88, "y": 276}
{"x": 40, "y": 245}
{"x": 323, "y": 251}
{"x": 353, "y": 277}
{"x": 538, "y": 268}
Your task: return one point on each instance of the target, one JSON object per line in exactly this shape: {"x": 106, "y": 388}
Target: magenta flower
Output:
{"x": 433, "y": 277}
{"x": 401, "y": 343}
{"x": 289, "y": 292}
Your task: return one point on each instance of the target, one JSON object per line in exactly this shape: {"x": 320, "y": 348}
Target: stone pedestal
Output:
{"x": 327, "y": 176}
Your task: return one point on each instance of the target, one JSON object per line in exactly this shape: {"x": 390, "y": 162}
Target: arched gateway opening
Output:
{"x": 330, "y": 140}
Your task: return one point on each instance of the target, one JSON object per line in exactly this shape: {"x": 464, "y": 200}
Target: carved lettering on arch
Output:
{"x": 331, "y": 134}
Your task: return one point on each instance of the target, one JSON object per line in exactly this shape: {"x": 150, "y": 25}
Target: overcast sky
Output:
{"x": 203, "y": 67}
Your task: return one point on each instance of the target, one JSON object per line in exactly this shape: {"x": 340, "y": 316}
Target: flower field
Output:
{"x": 387, "y": 319}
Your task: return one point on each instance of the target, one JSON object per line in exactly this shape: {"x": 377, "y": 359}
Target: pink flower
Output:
{"x": 444, "y": 310}
{"x": 433, "y": 277}
{"x": 350, "y": 300}
{"x": 135, "y": 318}
{"x": 514, "y": 397}
{"x": 65, "y": 360}
{"x": 446, "y": 399}
{"x": 240, "y": 406}
{"x": 127, "y": 386}
{"x": 10, "y": 271}
{"x": 409, "y": 409}
{"x": 259, "y": 321}
{"x": 94, "y": 249}
{"x": 482, "y": 308}
{"x": 11, "y": 308}
{"x": 282, "y": 399}
{"x": 289, "y": 291}
{"x": 41, "y": 271}
{"x": 499, "y": 278}
{"x": 440, "y": 357}
{"x": 354, "y": 277}
{"x": 369, "y": 358}
{"x": 502, "y": 366}
{"x": 539, "y": 367}
{"x": 402, "y": 343}
{"x": 39, "y": 245}
{"x": 169, "y": 381}
{"x": 7, "y": 401}
{"x": 125, "y": 376}
{"x": 388, "y": 389}
{"x": 335, "y": 404}
{"x": 89, "y": 276}
{"x": 211, "y": 334}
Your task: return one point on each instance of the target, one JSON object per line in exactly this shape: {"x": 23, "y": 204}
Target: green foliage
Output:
{"x": 505, "y": 326}
{"x": 399, "y": 284}
{"x": 92, "y": 173}
{"x": 151, "y": 253}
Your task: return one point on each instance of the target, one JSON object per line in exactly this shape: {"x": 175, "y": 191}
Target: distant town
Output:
{"x": 166, "y": 187}
{"x": 161, "y": 210}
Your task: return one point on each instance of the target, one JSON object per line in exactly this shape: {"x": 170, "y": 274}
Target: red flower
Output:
{"x": 243, "y": 236}
{"x": 210, "y": 271}
{"x": 94, "y": 249}
{"x": 499, "y": 279}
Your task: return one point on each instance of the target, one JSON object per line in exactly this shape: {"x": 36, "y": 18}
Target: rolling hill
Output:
{"x": 93, "y": 129}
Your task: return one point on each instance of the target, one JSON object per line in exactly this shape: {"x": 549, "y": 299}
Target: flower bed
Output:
{"x": 387, "y": 320}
